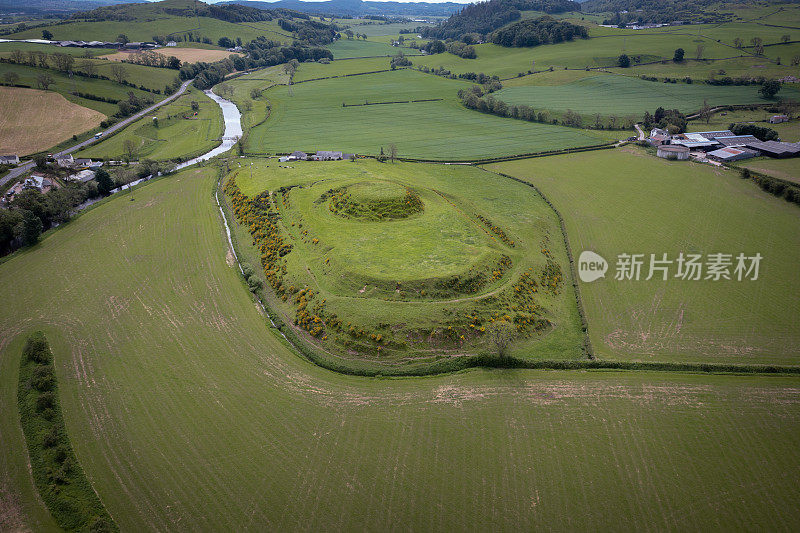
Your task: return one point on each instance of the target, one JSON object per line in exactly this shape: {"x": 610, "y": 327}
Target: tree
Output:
{"x": 88, "y": 68}
{"x": 44, "y": 81}
{"x": 392, "y": 152}
{"x": 500, "y": 334}
{"x": 11, "y": 77}
{"x": 699, "y": 51}
{"x": 738, "y": 43}
{"x": 17, "y": 56}
{"x": 349, "y": 33}
{"x": 41, "y": 161}
{"x": 173, "y": 62}
{"x": 122, "y": 38}
{"x": 63, "y": 62}
{"x": 624, "y": 61}
{"x": 678, "y": 57}
{"x": 118, "y": 72}
{"x": 195, "y": 106}
{"x": 129, "y": 148}
{"x": 770, "y": 88}
{"x": 705, "y": 111}
{"x": 29, "y": 228}
{"x": 46, "y": 35}
{"x": 785, "y": 38}
{"x": 104, "y": 182}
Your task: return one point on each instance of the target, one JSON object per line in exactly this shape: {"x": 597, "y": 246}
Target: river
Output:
{"x": 233, "y": 130}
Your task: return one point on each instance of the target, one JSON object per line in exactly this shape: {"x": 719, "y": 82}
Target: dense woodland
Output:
{"x": 533, "y": 32}
{"x": 656, "y": 11}
{"x": 485, "y": 17}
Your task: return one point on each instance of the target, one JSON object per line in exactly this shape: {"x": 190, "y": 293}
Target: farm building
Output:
{"x": 776, "y": 149}
{"x": 737, "y": 140}
{"x": 9, "y": 159}
{"x": 694, "y": 141}
{"x": 82, "y": 162}
{"x": 83, "y": 176}
{"x": 777, "y": 119}
{"x": 297, "y": 155}
{"x": 325, "y": 155}
{"x": 658, "y": 137}
{"x": 283, "y": 159}
{"x": 730, "y": 154}
{"x": 65, "y": 160}
{"x": 673, "y": 151}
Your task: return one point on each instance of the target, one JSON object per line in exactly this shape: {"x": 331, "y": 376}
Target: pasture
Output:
{"x": 786, "y": 169}
{"x": 179, "y": 133}
{"x": 143, "y": 29}
{"x": 346, "y": 48}
{"x": 187, "y": 412}
{"x": 310, "y": 116}
{"x": 186, "y": 55}
{"x": 430, "y": 277}
{"x": 608, "y": 95}
{"x": 66, "y": 86}
{"x": 310, "y": 71}
{"x": 33, "y": 126}
{"x": 626, "y": 201}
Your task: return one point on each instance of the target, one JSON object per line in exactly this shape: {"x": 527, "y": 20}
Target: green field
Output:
{"x": 312, "y": 118}
{"x": 429, "y": 282}
{"x": 66, "y": 85}
{"x": 188, "y": 412}
{"x": 607, "y": 95}
{"x": 180, "y": 134}
{"x": 346, "y": 48}
{"x": 143, "y": 30}
{"x": 786, "y": 169}
{"x": 309, "y": 71}
{"x": 619, "y": 201}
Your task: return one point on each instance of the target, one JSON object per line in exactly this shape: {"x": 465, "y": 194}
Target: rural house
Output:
{"x": 325, "y": 155}
{"x": 297, "y": 155}
{"x": 65, "y": 161}
{"x": 9, "y": 159}
{"x": 777, "y": 119}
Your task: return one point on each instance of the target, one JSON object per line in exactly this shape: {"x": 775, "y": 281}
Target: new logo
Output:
{"x": 591, "y": 266}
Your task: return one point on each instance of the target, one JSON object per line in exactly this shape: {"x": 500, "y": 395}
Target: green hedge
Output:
{"x": 57, "y": 474}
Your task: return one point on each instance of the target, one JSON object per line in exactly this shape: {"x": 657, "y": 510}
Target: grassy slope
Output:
{"x": 175, "y": 137}
{"x": 647, "y": 205}
{"x": 64, "y": 85}
{"x": 143, "y": 30}
{"x": 345, "y": 48}
{"x": 623, "y": 95}
{"x": 787, "y": 169}
{"x": 308, "y": 71}
{"x": 187, "y": 413}
{"x": 371, "y": 256}
{"x": 314, "y": 115}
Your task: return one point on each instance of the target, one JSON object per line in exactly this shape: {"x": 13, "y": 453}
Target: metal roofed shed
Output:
{"x": 693, "y": 140}
{"x": 673, "y": 151}
{"x": 776, "y": 149}
{"x": 729, "y": 154}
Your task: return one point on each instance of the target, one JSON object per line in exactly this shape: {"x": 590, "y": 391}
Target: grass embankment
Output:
{"x": 188, "y": 412}
{"x": 393, "y": 295}
{"x": 625, "y": 201}
{"x": 56, "y": 472}
{"x": 310, "y": 116}
{"x": 179, "y": 133}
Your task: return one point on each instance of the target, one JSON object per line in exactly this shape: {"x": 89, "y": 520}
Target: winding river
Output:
{"x": 233, "y": 130}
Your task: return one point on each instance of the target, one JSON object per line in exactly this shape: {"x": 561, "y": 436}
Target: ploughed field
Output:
{"x": 187, "y": 411}
{"x": 405, "y": 264}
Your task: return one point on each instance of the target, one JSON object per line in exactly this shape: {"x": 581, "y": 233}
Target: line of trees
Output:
{"x": 533, "y": 32}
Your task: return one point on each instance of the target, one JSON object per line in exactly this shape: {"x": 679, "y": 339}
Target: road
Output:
{"x": 26, "y": 167}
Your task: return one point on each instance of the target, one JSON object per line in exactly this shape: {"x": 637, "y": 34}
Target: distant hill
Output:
{"x": 53, "y": 6}
{"x": 485, "y": 17}
{"x": 184, "y": 8}
{"x": 658, "y": 11}
{"x": 358, "y": 7}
